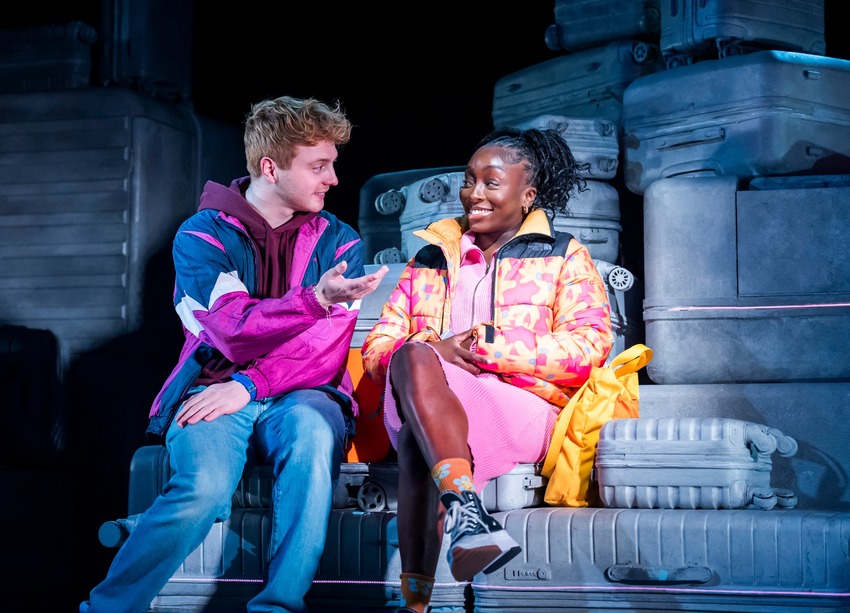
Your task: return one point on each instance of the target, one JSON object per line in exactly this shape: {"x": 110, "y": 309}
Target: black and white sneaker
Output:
{"x": 478, "y": 542}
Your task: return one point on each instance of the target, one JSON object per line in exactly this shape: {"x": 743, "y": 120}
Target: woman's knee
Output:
{"x": 410, "y": 361}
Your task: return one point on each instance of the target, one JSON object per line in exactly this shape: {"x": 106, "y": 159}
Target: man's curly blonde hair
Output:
{"x": 274, "y": 128}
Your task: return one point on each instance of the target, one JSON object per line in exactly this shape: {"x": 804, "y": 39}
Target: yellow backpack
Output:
{"x": 610, "y": 392}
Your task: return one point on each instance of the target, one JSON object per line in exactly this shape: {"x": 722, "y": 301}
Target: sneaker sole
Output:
{"x": 506, "y": 557}
{"x": 466, "y": 563}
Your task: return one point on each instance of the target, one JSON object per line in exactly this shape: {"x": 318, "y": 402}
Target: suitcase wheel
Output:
{"x": 785, "y": 499}
{"x": 390, "y": 202}
{"x": 390, "y": 255}
{"x": 764, "y": 498}
{"x": 371, "y": 497}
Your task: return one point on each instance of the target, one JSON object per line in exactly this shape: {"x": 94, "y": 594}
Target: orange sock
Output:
{"x": 416, "y": 590}
{"x": 453, "y": 474}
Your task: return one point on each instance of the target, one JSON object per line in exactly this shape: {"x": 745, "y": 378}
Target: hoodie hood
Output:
{"x": 231, "y": 201}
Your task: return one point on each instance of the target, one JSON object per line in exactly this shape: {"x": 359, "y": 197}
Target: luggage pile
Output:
{"x": 730, "y": 125}
{"x": 727, "y": 124}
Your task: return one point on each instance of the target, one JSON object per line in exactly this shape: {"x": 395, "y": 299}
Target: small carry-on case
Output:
{"x": 733, "y": 292}
{"x": 689, "y": 463}
{"x": 809, "y": 412}
{"x": 760, "y": 114}
{"x": 587, "y": 83}
{"x": 701, "y": 29}
{"x": 524, "y": 486}
{"x": 580, "y": 24}
{"x": 591, "y": 559}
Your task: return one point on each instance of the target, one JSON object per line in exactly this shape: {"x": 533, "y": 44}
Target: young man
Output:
{"x": 267, "y": 289}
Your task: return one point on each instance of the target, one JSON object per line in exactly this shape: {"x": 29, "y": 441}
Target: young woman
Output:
{"x": 489, "y": 330}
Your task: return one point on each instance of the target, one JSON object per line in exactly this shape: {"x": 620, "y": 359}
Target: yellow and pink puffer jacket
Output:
{"x": 551, "y": 318}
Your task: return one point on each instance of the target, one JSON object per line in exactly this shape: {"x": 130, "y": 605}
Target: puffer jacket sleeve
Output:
{"x": 562, "y": 351}
{"x": 395, "y": 327}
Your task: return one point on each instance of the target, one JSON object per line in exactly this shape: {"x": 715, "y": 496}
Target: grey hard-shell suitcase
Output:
{"x": 360, "y": 568}
{"x": 45, "y": 58}
{"x": 588, "y": 83}
{"x": 601, "y": 559}
{"x": 524, "y": 486}
{"x": 760, "y": 114}
{"x": 690, "y": 463}
{"x": 225, "y": 571}
{"x": 580, "y": 24}
{"x": 372, "y": 304}
{"x": 147, "y": 46}
{"x": 593, "y": 219}
{"x": 722, "y": 304}
{"x": 592, "y": 141}
{"x": 150, "y": 471}
{"x": 699, "y": 29}
{"x": 77, "y": 242}
{"x": 378, "y": 215}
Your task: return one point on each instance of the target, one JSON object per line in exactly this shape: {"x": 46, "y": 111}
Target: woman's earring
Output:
{"x": 525, "y": 210}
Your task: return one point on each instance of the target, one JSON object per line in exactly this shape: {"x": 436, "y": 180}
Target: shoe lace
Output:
{"x": 465, "y": 516}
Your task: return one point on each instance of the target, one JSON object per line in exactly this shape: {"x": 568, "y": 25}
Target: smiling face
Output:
{"x": 302, "y": 187}
{"x": 493, "y": 194}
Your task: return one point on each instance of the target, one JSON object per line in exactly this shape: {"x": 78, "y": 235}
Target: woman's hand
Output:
{"x": 456, "y": 350}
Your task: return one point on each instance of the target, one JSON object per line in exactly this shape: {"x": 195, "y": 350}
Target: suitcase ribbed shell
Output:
{"x": 689, "y": 463}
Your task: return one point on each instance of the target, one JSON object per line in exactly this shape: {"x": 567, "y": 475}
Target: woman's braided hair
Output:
{"x": 549, "y": 164}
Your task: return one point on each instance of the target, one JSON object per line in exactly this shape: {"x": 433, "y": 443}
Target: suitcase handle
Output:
{"x": 785, "y": 445}
{"x": 626, "y": 573}
{"x": 694, "y": 137}
{"x": 761, "y": 441}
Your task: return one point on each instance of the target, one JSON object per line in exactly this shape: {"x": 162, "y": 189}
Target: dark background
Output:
{"x": 416, "y": 80}
{"x": 418, "y": 88}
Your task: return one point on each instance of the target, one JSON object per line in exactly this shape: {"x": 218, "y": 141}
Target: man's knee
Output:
{"x": 319, "y": 427}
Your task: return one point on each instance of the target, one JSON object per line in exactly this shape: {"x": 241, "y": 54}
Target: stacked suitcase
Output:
{"x": 77, "y": 246}
{"x": 729, "y": 493}
{"x": 725, "y": 494}
{"x": 360, "y": 565}
{"x": 694, "y": 30}
{"x": 602, "y": 46}
{"x": 607, "y": 559}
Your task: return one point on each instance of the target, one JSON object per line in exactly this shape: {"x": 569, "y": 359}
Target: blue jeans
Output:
{"x": 301, "y": 435}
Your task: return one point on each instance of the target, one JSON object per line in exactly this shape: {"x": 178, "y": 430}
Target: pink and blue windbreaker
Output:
{"x": 282, "y": 344}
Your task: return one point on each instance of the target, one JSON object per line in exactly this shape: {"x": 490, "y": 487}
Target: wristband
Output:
{"x": 246, "y": 381}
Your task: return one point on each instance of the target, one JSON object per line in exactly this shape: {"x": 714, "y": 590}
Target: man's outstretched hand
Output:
{"x": 334, "y": 288}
